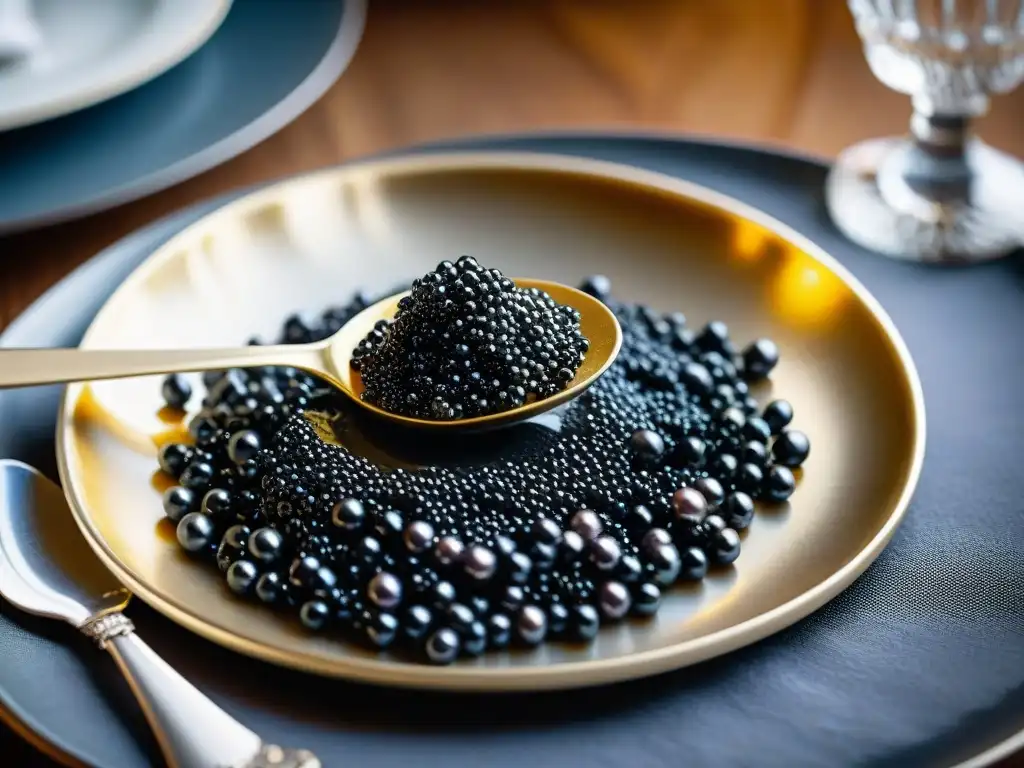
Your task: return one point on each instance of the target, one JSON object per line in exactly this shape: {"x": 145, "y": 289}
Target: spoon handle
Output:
{"x": 192, "y": 731}
{"x": 28, "y": 367}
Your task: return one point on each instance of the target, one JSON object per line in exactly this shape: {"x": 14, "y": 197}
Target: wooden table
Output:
{"x": 784, "y": 73}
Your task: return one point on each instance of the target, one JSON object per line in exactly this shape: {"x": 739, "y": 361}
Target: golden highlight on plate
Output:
{"x": 432, "y": 548}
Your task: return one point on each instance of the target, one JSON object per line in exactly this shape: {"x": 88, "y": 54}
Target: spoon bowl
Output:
{"x": 329, "y": 359}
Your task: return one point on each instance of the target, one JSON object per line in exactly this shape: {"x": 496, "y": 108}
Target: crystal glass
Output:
{"x": 940, "y": 193}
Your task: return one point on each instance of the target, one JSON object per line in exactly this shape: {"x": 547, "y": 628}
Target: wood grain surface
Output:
{"x": 782, "y": 73}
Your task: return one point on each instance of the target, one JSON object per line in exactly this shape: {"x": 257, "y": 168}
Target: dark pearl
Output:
{"x": 629, "y": 569}
{"x": 791, "y": 448}
{"x": 195, "y": 532}
{"x": 584, "y": 622}
{"x": 416, "y": 621}
{"x": 216, "y": 502}
{"x": 714, "y": 523}
{"x": 694, "y": 564}
{"x": 655, "y": 538}
{"x": 587, "y": 524}
{"x": 759, "y": 359}
{"x": 749, "y": 477}
{"x": 232, "y": 546}
{"x": 558, "y": 619}
{"x": 711, "y": 490}
{"x": 754, "y": 453}
{"x": 444, "y": 594}
{"x": 474, "y": 640}
{"x": 614, "y": 600}
{"x": 243, "y": 446}
{"x": 314, "y": 614}
{"x": 271, "y": 587}
{"x": 667, "y": 564}
{"x": 605, "y": 553}
{"x": 303, "y": 570}
{"x": 418, "y": 536}
{"x": 696, "y": 378}
{"x": 176, "y": 391}
{"x": 460, "y": 616}
{"x": 572, "y": 546}
{"x": 725, "y": 546}
{"x": 265, "y": 545}
{"x": 382, "y": 630}
{"x": 756, "y": 428}
{"x": 780, "y": 483}
{"x": 689, "y": 452}
{"x": 647, "y": 444}
{"x": 639, "y": 518}
{"x": 531, "y": 624}
{"x": 385, "y": 590}
{"x": 777, "y": 415}
{"x": 499, "y": 630}
{"x": 689, "y": 504}
{"x": 598, "y": 286}
{"x": 512, "y": 598}
{"x": 242, "y": 576}
{"x": 479, "y": 562}
{"x": 547, "y": 531}
{"x": 174, "y": 457}
{"x": 196, "y": 475}
{"x": 519, "y": 567}
{"x": 646, "y": 599}
{"x": 449, "y": 550}
{"x": 443, "y": 646}
{"x": 348, "y": 514}
{"x": 724, "y": 465}
{"x": 737, "y": 510}
{"x": 178, "y": 502}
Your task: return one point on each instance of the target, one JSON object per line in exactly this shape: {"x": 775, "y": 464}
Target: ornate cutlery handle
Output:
{"x": 193, "y": 732}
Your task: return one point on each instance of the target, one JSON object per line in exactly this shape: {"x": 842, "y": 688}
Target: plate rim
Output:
{"x": 210, "y": 16}
{"x": 335, "y": 59}
{"x": 566, "y": 675}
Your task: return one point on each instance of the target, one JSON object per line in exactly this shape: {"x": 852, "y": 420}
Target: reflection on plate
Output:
{"x": 311, "y": 241}
{"x": 96, "y": 50}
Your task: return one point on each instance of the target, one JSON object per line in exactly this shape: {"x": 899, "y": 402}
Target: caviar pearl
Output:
{"x": 418, "y": 536}
{"x": 265, "y": 545}
{"x": 314, "y": 614}
{"x": 666, "y": 563}
{"x": 499, "y": 630}
{"x": 614, "y": 600}
{"x": 780, "y": 483}
{"x": 443, "y": 646}
{"x": 174, "y": 457}
{"x": 385, "y": 590}
{"x": 647, "y": 599}
{"x": 738, "y": 510}
{"x": 605, "y": 553}
{"x": 777, "y": 415}
{"x": 791, "y": 448}
{"x": 417, "y": 621}
{"x": 479, "y": 562}
{"x": 270, "y": 587}
{"x": 449, "y": 550}
{"x": 243, "y": 446}
{"x": 647, "y": 444}
{"x": 178, "y": 502}
{"x": 585, "y": 622}
{"x": 694, "y": 564}
{"x": 759, "y": 359}
{"x": 531, "y": 624}
{"x": 587, "y": 524}
{"x": 195, "y": 532}
{"x": 241, "y": 576}
{"x": 176, "y": 391}
{"x": 726, "y": 546}
{"x": 348, "y": 514}
{"x": 711, "y": 490}
{"x": 689, "y": 505}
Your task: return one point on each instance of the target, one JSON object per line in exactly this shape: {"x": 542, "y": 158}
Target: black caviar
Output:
{"x": 468, "y": 342}
{"x": 584, "y": 517}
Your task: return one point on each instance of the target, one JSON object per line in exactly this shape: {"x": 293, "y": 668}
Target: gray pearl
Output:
{"x": 449, "y": 550}
{"x": 689, "y": 505}
{"x": 419, "y": 535}
{"x": 348, "y": 514}
{"x": 385, "y": 590}
{"x": 480, "y": 563}
{"x": 614, "y": 599}
{"x": 667, "y": 564}
{"x": 443, "y": 646}
{"x": 532, "y": 624}
{"x": 711, "y": 489}
{"x": 605, "y": 552}
{"x": 195, "y": 532}
{"x": 241, "y": 576}
{"x": 587, "y": 524}
{"x": 654, "y": 538}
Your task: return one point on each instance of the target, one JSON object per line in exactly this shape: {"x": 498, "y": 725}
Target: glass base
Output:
{"x": 885, "y": 195}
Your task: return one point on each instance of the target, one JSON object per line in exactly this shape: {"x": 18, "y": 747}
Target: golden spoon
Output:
{"x": 328, "y": 359}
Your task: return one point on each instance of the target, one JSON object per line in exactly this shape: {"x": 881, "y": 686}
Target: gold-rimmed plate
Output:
{"x": 311, "y": 241}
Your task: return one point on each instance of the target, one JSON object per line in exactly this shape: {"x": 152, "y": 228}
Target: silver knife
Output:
{"x": 47, "y": 568}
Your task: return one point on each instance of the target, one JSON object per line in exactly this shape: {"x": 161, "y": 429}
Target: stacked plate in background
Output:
{"x": 117, "y": 99}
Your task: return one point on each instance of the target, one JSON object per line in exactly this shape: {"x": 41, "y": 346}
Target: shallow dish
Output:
{"x": 94, "y": 51}
{"x": 313, "y": 240}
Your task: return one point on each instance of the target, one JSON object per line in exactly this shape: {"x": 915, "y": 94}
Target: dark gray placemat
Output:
{"x": 921, "y": 662}
{"x": 262, "y": 68}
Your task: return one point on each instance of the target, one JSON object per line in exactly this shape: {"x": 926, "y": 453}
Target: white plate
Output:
{"x": 93, "y": 50}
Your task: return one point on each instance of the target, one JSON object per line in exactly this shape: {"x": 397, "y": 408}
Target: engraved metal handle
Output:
{"x": 29, "y": 367}
{"x": 192, "y": 731}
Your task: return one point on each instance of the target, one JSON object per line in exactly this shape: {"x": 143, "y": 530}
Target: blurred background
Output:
{"x": 786, "y": 73}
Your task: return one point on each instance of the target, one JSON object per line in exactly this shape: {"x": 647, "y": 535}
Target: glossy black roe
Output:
{"x": 644, "y": 484}
{"x": 791, "y": 448}
{"x": 468, "y": 342}
{"x": 176, "y": 391}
